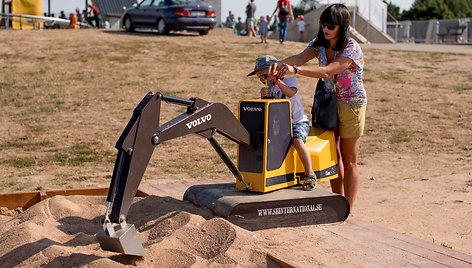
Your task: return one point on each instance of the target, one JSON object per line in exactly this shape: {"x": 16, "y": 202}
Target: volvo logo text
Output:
{"x": 199, "y": 121}
{"x": 252, "y": 109}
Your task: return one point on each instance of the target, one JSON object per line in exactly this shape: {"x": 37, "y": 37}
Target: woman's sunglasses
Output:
{"x": 330, "y": 27}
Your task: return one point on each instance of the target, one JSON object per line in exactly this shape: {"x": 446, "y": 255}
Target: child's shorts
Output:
{"x": 351, "y": 120}
{"x": 300, "y": 130}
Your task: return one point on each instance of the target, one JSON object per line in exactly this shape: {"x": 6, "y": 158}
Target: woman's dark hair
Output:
{"x": 335, "y": 14}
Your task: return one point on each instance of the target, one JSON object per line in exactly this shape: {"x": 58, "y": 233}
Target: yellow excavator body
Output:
{"x": 275, "y": 164}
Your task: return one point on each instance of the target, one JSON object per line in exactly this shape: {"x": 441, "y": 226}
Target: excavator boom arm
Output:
{"x": 137, "y": 142}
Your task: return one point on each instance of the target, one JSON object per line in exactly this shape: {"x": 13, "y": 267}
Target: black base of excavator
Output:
{"x": 290, "y": 207}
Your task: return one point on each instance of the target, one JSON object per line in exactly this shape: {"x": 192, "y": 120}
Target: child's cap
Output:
{"x": 262, "y": 18}
{"x": 301, "y": 17}
{"x": 263, "y": 62}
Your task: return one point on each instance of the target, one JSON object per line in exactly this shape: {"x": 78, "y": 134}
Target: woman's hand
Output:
{"x": 278, "y": 70}
{"x": 273, "y": 71}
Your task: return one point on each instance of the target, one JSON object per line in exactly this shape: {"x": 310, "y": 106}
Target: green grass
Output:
{"x": 121, "y": 59}
{"x": 52, "y": 95}
{"x": 81, "y": 153}
{"x": 446, "y": 246}
{"x": 399, "y": 137}
{"x": 6, "y": 56}
{"x": 23, "y": 162}
{"x": 60, "y": 157}
{"x": 468, "y": 183}
{"x": 463, "y": 88}
{"x": 47, "y": 110}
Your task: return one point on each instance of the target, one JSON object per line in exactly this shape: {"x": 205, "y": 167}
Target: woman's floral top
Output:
{"x": 348, "y": 84}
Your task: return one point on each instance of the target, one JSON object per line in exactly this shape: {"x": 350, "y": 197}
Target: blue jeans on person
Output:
{"x": 283, "y": 28}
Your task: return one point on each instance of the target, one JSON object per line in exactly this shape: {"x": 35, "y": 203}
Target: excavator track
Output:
{"x": 290, "y": 207}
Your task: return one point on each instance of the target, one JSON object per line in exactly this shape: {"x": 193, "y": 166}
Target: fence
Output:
{"x": 432, "y": 31}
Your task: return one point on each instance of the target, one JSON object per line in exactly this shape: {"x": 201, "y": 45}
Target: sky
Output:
{"x": 263, "y": 7}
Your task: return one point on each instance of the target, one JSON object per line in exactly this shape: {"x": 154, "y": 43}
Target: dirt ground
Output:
{"x": 66, "y": 96}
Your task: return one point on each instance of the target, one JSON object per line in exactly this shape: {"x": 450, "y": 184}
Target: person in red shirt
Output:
{"x": 285, "y": 15}
{"x": 95, "y": 17}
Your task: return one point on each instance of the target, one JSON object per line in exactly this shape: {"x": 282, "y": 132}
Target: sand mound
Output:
{"x": 60, "y": 232}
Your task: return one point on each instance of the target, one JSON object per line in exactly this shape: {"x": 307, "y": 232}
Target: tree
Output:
{"x": 393, "y": 10}
{"x": 460, "y": 8}
{"x": 304, "y": 7}
{"x": 438, "y": 9}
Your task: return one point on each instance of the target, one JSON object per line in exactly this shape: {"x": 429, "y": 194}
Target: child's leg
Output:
{"x": 304, "y": 155}
{"x": 300, "y": 133}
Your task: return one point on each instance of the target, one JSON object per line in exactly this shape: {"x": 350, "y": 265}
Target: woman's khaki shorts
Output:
{"x": 351, "y": 120}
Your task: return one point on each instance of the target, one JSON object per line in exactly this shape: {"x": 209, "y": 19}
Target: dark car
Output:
{"x": 171, "y": 15}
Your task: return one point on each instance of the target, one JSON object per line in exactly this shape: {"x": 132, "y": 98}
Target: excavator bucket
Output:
{"x": 125, "y": 240}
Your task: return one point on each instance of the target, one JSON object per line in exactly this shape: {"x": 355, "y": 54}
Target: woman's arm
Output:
{"x": 306, "y": 55}
{"x": 333, "y": 68}
{"x": 275, "y": 10}
{"x": 291, "y": 13}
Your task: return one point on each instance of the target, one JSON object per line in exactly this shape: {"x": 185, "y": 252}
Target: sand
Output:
{"x": 60, "y": 232}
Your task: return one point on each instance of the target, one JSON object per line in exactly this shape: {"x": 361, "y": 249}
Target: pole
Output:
{"x": 49, "y": 8}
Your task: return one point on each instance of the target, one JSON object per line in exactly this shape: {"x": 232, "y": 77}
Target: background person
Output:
{"x": 301, "y": 27}
{"x": 263, "y": 29}
{"x": 79, "y": 15}
{"x": 250, "y": 23}
{"x": 285, "y": 15}
{"x": 274, "y": 27}
{"x": 62, "y": 15}
{"x": 95, "y": 16}
{"x": 229, "y": 23}
{"x": 341, "y": 65}
{"x": 239, "y": 26}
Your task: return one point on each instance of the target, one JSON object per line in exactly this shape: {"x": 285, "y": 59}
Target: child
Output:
{"x": 263, "y": 29}
{"x": 274, "y": 26}
{"x": 301, "y": 27}
{"x": 288, "y": 88}
{"x": 239, "y": 26}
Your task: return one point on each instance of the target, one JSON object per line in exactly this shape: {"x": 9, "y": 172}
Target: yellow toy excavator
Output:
{"x": 267, "y": 167}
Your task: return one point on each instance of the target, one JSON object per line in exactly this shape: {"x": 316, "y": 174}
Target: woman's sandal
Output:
{"x": 310, "y": 182}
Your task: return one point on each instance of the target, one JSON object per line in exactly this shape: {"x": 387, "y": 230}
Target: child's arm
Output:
{"x": 288, "y": 91}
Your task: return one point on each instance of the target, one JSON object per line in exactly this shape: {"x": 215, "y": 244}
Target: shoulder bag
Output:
{"x": 324, "y": 113}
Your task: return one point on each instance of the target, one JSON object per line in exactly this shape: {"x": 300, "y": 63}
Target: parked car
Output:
{"x": 170, "y": 15}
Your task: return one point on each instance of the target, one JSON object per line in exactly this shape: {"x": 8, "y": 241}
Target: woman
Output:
{"x": 285, "y": 14}
{"x": 340, "y": 65}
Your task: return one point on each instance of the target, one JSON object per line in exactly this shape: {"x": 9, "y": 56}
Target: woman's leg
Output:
{"x": 349, "y": 154}
{"x": 337, "y": 185}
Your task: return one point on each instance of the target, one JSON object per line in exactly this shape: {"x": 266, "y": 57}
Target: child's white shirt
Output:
{"x": 298, "y": 113}
{"x": 301, "y": 26}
